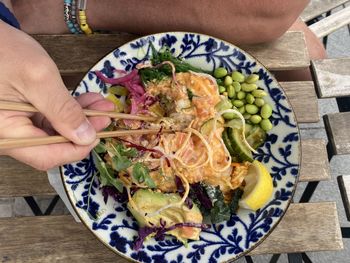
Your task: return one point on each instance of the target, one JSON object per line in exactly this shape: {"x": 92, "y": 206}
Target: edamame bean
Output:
{"x": 266, "y": 111}
{"x": 220, "y": 72}
{"x": 219, "y": 82}
{"x": 246, "y": 116}
{"x": 251, "y": 108}
{"x": 241, "y": 109}
{"x": 231, "y": 92}
{"x": 224, "y": 104}
{"x": 240, "y": 95}
{"x": 228, "y": 81}
{"x": 250, "y": 98}
{"x": 237, "y": 86}
{"x": 237, "y": 76}
{"x": 222, "y": 89}
{"x": 259, "y": 93}
{"x": 248, "y": 87}
{"x": 252, "y": 78}
{"x": 229, "y": 115}
{"x": 237, "y": 103}
{"x": 266, "y": 125}
{"x": 259, "y": 102}
{"x": 255, "y": 119}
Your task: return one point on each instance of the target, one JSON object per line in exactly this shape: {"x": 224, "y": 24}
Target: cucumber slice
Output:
{"x": 237, "y": 124}
{"x": 227, "y": 142}
{"x": 256, "y": 137}
{"x": 208, "y": 126}
{"x": 240, "y": 149}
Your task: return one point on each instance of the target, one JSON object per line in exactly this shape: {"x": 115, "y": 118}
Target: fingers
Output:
{"x": 48, "y": 94}
{"x": 47, "y": 156}
{"x": 94, "y": 101}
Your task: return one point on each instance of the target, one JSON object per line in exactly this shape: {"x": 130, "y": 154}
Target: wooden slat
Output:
{"x": 305, "y": 227}
{"x": 337, "y": 127}
{"x": 287, "y": 52}
{"x": 303, "y": 99}
{"x": 331, "y": 23}
{"x": 314, "y": 163}
{"x": 332, "y": 77}
{"x": 319, "y": 7}
{"x": 77, "y": 54}
{"x": 17, "y": 179}
{"x": 344, "y": 187}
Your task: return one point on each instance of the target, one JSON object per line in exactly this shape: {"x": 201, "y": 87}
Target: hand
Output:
{"x": 27, "y": 74}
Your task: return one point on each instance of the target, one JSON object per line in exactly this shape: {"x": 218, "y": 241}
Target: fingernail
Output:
{"x": 86, "y": 133}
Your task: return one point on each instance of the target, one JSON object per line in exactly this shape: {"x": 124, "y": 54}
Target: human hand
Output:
{"x": 27, "y": 74}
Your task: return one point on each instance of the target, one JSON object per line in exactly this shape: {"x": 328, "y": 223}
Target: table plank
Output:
{"x": 286, "y": 53}
{"x": 319, "y": 7}
{"x": 337, "y": 126}
{"x": 77, "y": 54}
{"x": 303, "y": 99}
{"x": 305, "y": 227}
{"x": 314, "y": 163}
{"x": 332, "y": 77}
{"x": 344, "y": 187}
{"x": 331, "y": 23}
{"x": 17, "y": 179}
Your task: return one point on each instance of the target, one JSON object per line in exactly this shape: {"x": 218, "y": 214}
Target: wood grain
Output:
{"x": 314, "y": 163}
{"x": 17, "y": 179}
{"x": 77, "y": 54}
{"x": 337, "y": 127}
{"x": 305, "y": 227}
{"x": 302, "y": 97}
{"x": 286, "y": 53}
{"x": 319, "y": 7}
{"x": 344, "y": 187}
{"x": 332, "y": 77}
{"x": 331, "y": 23}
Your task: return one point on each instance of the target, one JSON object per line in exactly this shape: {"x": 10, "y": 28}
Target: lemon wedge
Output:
{"x": 258, "y": 189}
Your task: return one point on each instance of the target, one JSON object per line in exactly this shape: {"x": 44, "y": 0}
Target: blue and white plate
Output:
{"x": 115, "y": 226}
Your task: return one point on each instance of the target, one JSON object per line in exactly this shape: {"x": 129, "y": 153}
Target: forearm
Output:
{"x": 237, "y": 21}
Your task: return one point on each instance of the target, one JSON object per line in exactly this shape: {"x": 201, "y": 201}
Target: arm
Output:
{"x": 237, "y": 21}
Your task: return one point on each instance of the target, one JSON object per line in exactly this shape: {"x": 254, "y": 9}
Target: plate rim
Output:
{"x": 244, "y": 253}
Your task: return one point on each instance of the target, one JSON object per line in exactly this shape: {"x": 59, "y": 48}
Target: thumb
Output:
{"x": 61, "y": 109}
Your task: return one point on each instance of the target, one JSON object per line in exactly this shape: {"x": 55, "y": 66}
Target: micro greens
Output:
{"x": 140, "y": 173}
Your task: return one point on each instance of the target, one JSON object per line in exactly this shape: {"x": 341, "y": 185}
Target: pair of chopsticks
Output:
{"x": 35, "y": 141}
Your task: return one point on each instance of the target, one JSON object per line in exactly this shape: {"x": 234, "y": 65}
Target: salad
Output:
{"x": 199, "y": 168}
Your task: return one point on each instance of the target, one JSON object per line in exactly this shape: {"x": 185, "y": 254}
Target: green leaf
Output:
{"x": 100, "y": 148}
{"x": 106, "y": 174}
{"x": 236, "y": 195}
{"x": 126, "y": 151}
{"x": 140, "y": 174}
{"x": 220, "y": 211}
{"x": 121, "y": 163}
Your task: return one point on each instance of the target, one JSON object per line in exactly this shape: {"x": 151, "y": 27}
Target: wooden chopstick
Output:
{"x": 35, "y": 141}
{"x": 19, "y": 106}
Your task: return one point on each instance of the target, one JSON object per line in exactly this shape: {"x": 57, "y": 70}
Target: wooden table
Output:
{"x": 305, "y": 227}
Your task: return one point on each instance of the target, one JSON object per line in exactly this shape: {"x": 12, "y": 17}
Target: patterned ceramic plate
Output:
{"x": 115, "y": 226}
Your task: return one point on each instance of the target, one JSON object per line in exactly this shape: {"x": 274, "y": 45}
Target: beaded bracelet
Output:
{"x": 70, "y": 17}
{"x": 82, "y": 17}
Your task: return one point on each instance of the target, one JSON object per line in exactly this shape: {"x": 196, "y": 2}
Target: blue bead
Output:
{"x": 67, "y": 1}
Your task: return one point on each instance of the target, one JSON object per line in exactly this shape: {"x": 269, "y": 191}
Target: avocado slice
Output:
{"x": 149, "y": 201}
{"x": 239, "y": 147}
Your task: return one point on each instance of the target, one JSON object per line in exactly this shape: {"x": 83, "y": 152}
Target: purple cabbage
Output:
{"x": 161, "y": 230}
{"x": 199, "y": 192}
